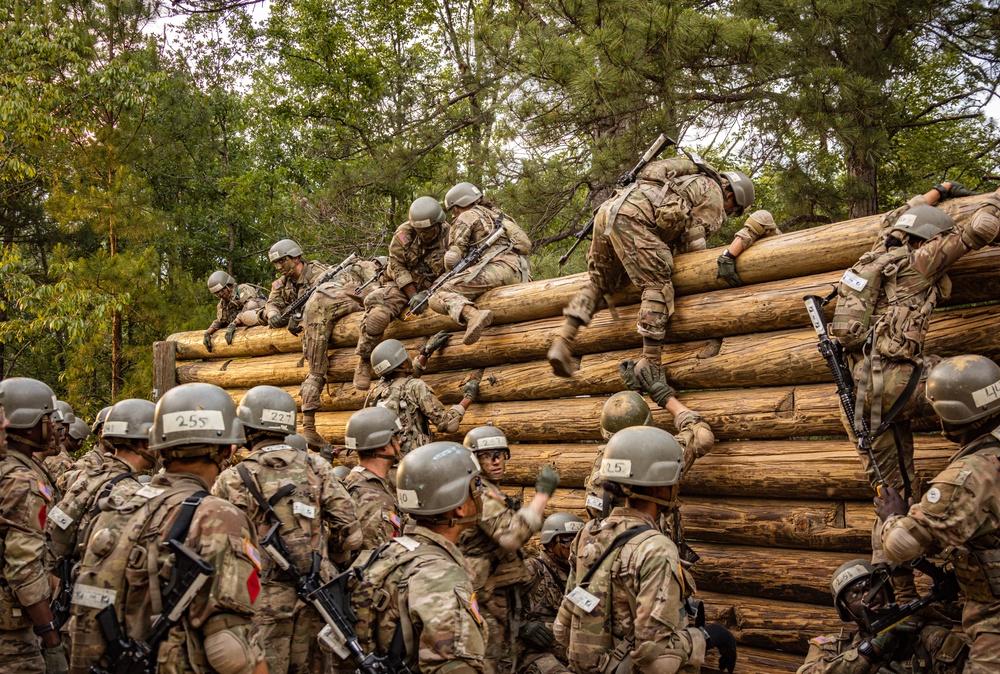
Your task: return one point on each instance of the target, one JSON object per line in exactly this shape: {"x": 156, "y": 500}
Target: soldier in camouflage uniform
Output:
{"x": 277, "y": 483}
{"x": 493, "y": 547}
{"x": 414, "y": 600}
{"x": 758, "y": 225}
{"x": 637, "y": 612}
{"x": 239, "y": 306}
{"x": 374, "y": 434}
{"x": 297, "y": 276}
{"x": 29, "y": 640}
{"x": 328, "y": 304}
{"x": 411, "y": 399}
{"x": 504, "y": 263}
{"x": 93, "y": 458}
{"x": 416, "y": 259}
{"x": 128, "y": 563}
{"x": 57, "y": 459}
{"x": 544, "y": 593}
{"x": 910, "y": 646}
{"x": 672, "y": 208}
{"x": 959, "y": 516}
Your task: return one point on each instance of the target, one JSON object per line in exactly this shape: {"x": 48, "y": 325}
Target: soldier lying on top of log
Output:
{"x": 239, "y": 305}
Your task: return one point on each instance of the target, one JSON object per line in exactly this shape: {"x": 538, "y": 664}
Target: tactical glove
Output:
{"x": 230, "y": 331}
{"x": 959, "y": 190}
{"x": 436, "y": 342}
{"x": 329, "y": 453}
{"x": 415, "y": 300}
{"x": 55, "y": 660}
{"x": 727, "y": 271}
{"x": 295, "y": 325}
{"x": 547, "y": 481}
{"x": 536, "y": 635}
{"x": 875, "y": 649}
{"x": 627, "y": 370}
{"x": 471, "y": 390}
{"x": 274, "y": 320}
{"x": 653, "y": 382}
{"x": 717, "y": 636}
{"x": 207, "y": 341}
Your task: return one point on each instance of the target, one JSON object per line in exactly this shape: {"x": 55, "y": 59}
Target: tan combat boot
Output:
{"x": 363, "y": 375}
{"x": 561, "y": 352}
{"x": 316, "y": 441}
{"x": 476, "y": 320}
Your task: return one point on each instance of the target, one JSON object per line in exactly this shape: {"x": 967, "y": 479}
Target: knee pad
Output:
{"x": 249, "y": 317}
{"x": 376, "y": 321}
{"x": 228, "y": 654}
{"x": 584, "y": 304}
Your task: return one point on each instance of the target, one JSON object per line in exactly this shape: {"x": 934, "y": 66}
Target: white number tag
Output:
{"x": 115, "y": 428}
{"x": 853, "y": 280}
{"x": 149, "y": 492}
{"x": 193, "y": 420}
{"x": 407, "y": 498}
{"x": 594, "y": 502}
{"x": 303, "y": 509}
{"x": 60, "y": 518}
{"x": 583, "y": 599}
{"x": 93, "y": 597}
{"x": 573, "y": 526}
{"x": 277, "y": 417}
{"x": 350, "y": 443}
{"x": 486, "y": 443}
{"x": 407, "y": 542}
{"x": 986, "y": 395}
{"x": 616, "y": 467}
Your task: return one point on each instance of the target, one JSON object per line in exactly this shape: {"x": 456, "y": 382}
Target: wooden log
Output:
{"x": 796, "y": 254}
{"x": 758, "y": 661}
{"x": 769, "y": 624}
{"x": 164, "y": 367}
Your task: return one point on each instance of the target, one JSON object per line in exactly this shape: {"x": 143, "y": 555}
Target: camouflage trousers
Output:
{"x": 326, "y": 306}
{"x": 460, "y": 291}
{"x": 630, "y": 248}
{"x": 381, "y": 306}
{"x": 543, "y": 663}
{"x": 290, "y": 644}
{"x": 500, "y": 607}
{"x": 981, "y": 622}
{"x": 20, "y": 652}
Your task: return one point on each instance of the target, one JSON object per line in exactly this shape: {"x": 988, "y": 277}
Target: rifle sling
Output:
{"x": 106, "y": 492}
{"x": 179, "y": 530}
{"x": 267, "y": 505}
{"x": 619, "y": 540}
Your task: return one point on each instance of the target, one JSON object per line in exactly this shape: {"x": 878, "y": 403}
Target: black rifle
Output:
{"x": 64, "y": 597}
{"x": 301, "y": 300}
{"x": 380, "y": 270}
{"x": 944, "y": 589}
{"x": 472, "y": 258}
{"x": 133, "y": 656}
{"x": 661, "y": 143}
{"x": 330, "y": 601}
{"x": 833, "y": 353}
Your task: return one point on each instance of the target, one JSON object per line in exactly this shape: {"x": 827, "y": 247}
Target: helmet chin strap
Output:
{"x": 25, "y": 441}
{"x": 646, "y": 497}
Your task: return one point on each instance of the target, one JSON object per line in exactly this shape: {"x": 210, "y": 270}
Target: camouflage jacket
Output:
{"x": 544, "y": 592}
{"x": 493, "y": 548}
{"x": 649, "y": 578}
{"x": 54, "y": 466}
{"x": 246, "y": 297}
{"x": 423, "y": 575}
{"x": 284, "y": 290}
{"x": 758, "y": 225}
{"x": 318, "y": 515}
{"x": 25, "y": 497}
{"x": 352, "y": 276}
{"x": 125, "y": 554}
{"x": 92, "y": 459}
{"x": 936, "y": 648}
{"x": 375, "y": 502}
{"x": 413, "y": 261}
{"x": 475, "y": 225}
{"x": 417, "y": 407}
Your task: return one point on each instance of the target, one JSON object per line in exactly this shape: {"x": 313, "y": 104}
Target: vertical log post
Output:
{"x": 164, "y": 368}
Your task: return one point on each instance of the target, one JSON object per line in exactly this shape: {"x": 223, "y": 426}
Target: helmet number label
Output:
{"x": 616, "y": 468}
{"x": 573, "y": 526}
{"x": 280, "y": 417}
{"x": 193, "y": 420}
{"x": 408, "y": 499}
{"x": 115, "y": 428}
{"x": 852, "y": 280}
{"x": 381, "y": 366}
{"x": 486, "y": 443}
{"x": 986, "y": 395}
{"x": 583, "y": 599}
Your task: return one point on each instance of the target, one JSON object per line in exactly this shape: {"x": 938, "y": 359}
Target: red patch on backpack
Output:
{"x": 253, "y": 585}
{"x": 43, "y": 515}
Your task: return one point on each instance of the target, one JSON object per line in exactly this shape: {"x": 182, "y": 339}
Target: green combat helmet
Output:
{"x": 642, "y": 456}
{"x": 963, "y": 389}
{"x": 371, "y": 428}
{"x": 341, "y": 472}
{"x": 26, "y": 401}
{"x": 426, "y": 212}
{"x": 297, "y": 441}
{"x": 64, "y": 413}
{"x": 387, "y": 356}
{"x": 486, "y": 438}
{"x": 129, "y": 419}
{"x": 742, "y": 187}
{"x": 195, "y": 420}
{"x": 923, "y": 222}
{"x": 284, "y": 248}
{"x": 462, "y": 194}
{"x": 98, "y": 424}
{"x": 846, "y": 575}
{"x": 218, "y": 281}
{"x": 557, "y": 524}
{"x": 435, "y": 479}
{"x": 79, "y": 430}
{"x": 624, "y": 410}
{"x": 269, "y": 409}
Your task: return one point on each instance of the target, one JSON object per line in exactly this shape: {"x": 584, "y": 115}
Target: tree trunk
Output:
{"x": 117, "y": 357}
{"x": 864, "y": 171}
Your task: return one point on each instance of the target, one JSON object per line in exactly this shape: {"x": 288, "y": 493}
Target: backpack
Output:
{"x": 393, "y": 396}
{"x": 858, "y": 293}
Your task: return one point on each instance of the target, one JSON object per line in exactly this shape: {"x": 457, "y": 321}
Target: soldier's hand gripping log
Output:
{"x": 301, "y": 300}
{"x": 834, "y": 357}
{"x": 662, "y": 142}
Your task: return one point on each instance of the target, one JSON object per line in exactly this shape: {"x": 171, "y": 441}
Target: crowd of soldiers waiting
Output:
{"x": 246, "y": 552}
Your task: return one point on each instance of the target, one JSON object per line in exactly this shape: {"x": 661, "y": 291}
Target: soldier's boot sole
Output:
{"x": 363, "y": 375}
{"x": 561, "y": 358}
{"x": 479, "y": 321}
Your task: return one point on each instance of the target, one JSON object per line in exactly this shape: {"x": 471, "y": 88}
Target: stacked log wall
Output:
{"x": 780, "y": 501}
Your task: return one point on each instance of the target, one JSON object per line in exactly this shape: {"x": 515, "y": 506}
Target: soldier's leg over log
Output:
{"x": 456, "y": 298}
{"x": 381, "y": 306}
{"x": 326, "y": 306}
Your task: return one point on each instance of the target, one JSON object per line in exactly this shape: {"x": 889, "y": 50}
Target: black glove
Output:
{"x": 436, "y": 342}
{"x": 547, "y": 481}
{"x": 207, "y": 341}
{"x": 627, "y": 370}
{"x": 295, "y": 325}
{"x": 415, "y": 300}
{"x": 471, "y": 390}
{"x": 653, "y": 382}
{"x": 955, "y": 189}
{"x": 230, "y": 331}
{"x": 536, "y": 635}
{"x": 275, "y": 321}
{"x": 727, "y": 271}
{"x": 717, "y": 636}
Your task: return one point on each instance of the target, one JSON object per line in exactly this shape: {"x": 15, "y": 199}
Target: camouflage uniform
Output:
{"x": 425, "y": 573}
{"x": 25, "y": 496}
{"x": 417, "y": 407}
{"x": 637, "y": 232}
{"x": 754, "y": 230}
{"x": 646, "y": 601}
{"x": 328, "y": 304}
{"x": 318, "y": 507}
{"x": 245, "y": 302}
{"x": 960, "y": 516}
{"x": 502, "y": 264}
{"x": 410, "y": 261}
{"x": 375, "y": 503}
{"x": 900, "y": 329}
{"x": 493, "y": 552}
{"x": 127, "y": 563}
{"x": 57, "y": 464}
{"x": 937, "y": 648}
{"x": 284, "y": 290}
{"x": 543, "y": 595}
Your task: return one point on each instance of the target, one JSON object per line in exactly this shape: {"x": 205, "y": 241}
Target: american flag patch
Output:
{"x": 403, "y": 238}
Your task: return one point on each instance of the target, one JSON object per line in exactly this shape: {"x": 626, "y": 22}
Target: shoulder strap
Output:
{"x": 179, "y": 531}
{"x": 619, "y": 540}
{"x": 106, "y": 492}
{"x": 267, "y": 505}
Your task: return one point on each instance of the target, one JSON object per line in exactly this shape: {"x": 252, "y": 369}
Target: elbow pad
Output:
{"x": 228, "y": 654}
